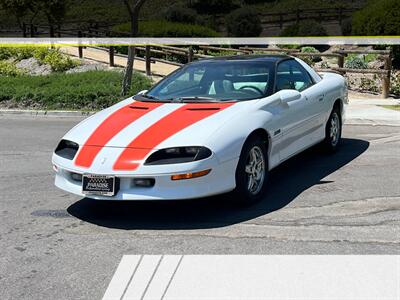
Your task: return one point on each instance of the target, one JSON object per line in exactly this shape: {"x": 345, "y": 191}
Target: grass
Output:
{"x": 394, "y": 107}
{"x": 88, "y": 91}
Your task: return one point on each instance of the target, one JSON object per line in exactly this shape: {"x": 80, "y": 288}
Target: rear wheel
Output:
{"x": 333, "y": 131}
{"x": 251, "y": 172}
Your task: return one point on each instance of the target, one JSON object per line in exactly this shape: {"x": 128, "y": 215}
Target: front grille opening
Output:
{"x": 143, "y": 182}
{"x": 75, "y": 177}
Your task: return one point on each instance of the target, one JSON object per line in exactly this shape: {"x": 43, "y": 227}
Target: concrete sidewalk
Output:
{"x": 370, "y": 111}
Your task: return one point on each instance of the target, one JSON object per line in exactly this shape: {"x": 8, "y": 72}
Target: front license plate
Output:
{"x": 98, "y": 185}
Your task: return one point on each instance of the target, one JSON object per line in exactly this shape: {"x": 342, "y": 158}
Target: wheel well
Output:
{"x": 338, "y": 104}
{"x": 263, "y": 134}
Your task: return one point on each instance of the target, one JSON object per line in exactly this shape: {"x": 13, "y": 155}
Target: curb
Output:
{"x": 45, "y": 113}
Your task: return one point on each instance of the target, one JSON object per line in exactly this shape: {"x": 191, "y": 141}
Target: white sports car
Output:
{"x": 211, "y": 127}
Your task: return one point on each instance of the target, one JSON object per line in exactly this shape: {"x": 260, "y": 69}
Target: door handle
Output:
{"x": 321, "y": 97}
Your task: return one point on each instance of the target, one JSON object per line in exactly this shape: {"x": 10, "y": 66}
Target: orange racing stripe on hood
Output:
{"x": 171, "y": 124}
{"x": 109, "y": 128}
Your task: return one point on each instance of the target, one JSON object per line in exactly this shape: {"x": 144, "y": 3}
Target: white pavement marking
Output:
{"x": 284, "y": 277}
{"x": 122, "y": 277}
{"x": 143, "y": 277}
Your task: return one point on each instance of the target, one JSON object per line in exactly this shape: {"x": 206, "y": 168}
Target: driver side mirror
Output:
{"x": 289, "y": 95}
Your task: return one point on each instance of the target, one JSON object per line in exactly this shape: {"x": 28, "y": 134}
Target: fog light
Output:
{"x": 144, "y": 182}
{"x": 190, "y": 175}
{"x": 76, "y": 177}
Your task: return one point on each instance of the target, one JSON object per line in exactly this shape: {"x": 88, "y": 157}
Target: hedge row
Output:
{"x": 89, "y": 90}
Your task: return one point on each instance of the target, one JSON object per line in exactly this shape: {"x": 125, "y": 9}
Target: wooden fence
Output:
{"x": 188, "y": 54}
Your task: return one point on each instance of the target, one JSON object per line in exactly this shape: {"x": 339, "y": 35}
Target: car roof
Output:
{"x": 248, "y": 57}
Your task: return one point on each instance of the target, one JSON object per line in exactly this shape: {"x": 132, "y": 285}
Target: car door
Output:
{"x": 298, "y": 117}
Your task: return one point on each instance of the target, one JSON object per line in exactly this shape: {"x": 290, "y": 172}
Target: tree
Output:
{"x": 54, "y": 10}
{"x": 17, "y": 8}
{"x": 244, "y": 22}
{"x": 133, "y": 7}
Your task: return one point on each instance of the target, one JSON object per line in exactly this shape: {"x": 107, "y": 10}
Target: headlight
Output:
{"x": 178, "y": 155}
{"x": 67, "y": 149}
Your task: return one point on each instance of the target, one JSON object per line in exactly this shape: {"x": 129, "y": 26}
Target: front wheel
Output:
{"x": 333, "y": 131}
{"x": 251, "y": 172}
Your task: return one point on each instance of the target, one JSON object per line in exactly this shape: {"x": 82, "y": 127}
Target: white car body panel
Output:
{"x": 291, "y": 127}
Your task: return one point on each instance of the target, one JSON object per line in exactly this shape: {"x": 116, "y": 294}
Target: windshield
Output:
{"x": 216, "y": 81}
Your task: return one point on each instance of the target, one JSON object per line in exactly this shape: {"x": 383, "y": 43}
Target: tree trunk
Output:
{"x": 127, "y": 81}
{"x": 134, "y": 16}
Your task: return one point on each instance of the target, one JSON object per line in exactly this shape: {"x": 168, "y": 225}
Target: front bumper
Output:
{"x": 221, "y": 179}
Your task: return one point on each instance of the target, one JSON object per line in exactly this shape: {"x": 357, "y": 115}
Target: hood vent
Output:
{"x": 138, "y": 107}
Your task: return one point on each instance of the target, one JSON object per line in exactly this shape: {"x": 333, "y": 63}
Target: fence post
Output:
{"x": 80, "y": 48}
{"x": 190, "y": 54}
{"x": 148, "y": 61}
{"x": 280, "y": 21}
{"x": 386, "y": 77}
{"x": 297, "y": 16}
{"x": 111, "y": 54}
{"x": 341, "y": 60}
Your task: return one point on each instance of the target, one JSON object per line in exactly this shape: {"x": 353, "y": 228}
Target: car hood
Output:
{"x": 134, "y": 124}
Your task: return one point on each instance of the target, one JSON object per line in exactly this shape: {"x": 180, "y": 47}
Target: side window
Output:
{"x": 291, "y": 75}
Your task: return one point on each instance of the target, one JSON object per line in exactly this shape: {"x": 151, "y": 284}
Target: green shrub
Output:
{"x": 9, "y": 69}
{"x": 180, "y": 14}
{"x": 59, "y": 62}
{"x": 355, "y": 62}
{"x": 41, "y": 53}
{"x": 310, "y": 59}
{"x": 305, "y": 28}
{"x": 89, "y": 90}
{"x": 346, "y": 26}
{"x": 6, "y": 52}
{"x": 395, "y": 84}
{"x": 167, "y": 29}
{"x": 378, "y": 18}
{"x": 244, "y": 22}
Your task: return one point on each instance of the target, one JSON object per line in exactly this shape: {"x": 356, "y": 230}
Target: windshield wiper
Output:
{"x": 149, "y": 98}
{"x": 195, "y": 99}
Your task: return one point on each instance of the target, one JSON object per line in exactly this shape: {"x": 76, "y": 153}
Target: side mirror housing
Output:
{"x": 289, "y": 95}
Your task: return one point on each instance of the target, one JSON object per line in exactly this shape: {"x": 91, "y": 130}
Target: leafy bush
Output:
{"x": 378, "y": 18}
{"x": 355, "y": 62}
{"x": 305, "y": 28}
{"x": 395, "y": 84}
{"x": 310, "y": 59}
{"x": 6, "y": 52}
{"x": 346, "y": 26}
{"x": 9, "y": 69}
{"x": 244, "y": 22}
{"x": 89, "y": 90}
{"x": 59, "y": 62}
{"x": 180, "y": 14}
{"x": 168, "y": 29}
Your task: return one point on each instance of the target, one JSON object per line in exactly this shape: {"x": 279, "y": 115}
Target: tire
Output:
{"x": 333, "y": 131}
{"x": 252, "y": 165}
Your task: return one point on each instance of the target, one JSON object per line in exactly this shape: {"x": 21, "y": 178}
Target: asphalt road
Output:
{"x": 58, "y": 246}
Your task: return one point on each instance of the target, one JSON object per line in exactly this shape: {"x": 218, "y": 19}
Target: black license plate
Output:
{"x": 98, "y": 185}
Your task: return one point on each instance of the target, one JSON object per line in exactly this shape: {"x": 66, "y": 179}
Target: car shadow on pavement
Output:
{"x": 286, "y": 182}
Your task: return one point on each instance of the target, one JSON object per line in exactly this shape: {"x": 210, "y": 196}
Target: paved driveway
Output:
{"x": 55, "y": 245}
